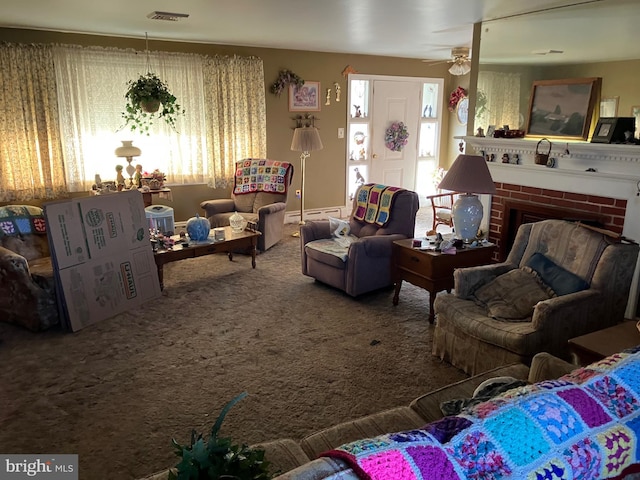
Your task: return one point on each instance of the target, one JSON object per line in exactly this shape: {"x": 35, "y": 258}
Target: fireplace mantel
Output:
{"x": 615, "y": 173}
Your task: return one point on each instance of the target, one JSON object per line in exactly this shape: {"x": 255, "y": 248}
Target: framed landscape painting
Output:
{"x": 562, "y": 108}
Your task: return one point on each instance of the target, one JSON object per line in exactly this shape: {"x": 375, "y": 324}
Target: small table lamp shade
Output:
{"x": 468, "y": 175}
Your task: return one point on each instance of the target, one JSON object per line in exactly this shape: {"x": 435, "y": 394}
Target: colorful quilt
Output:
{"x": 373, "y": 204}
{"x": 585, "y": 425}
{"x": 260, "y": 175}
{"x": 21, "y": 220}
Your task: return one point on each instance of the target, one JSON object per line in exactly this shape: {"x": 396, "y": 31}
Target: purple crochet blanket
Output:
{"x": 585, "y": 425}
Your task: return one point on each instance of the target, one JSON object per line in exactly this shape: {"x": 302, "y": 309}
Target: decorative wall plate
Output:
{"x": 462, "y": 110}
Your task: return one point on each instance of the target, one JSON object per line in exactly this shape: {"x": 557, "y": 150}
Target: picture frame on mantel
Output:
{"x": 305, "y": 98}
{"x": 562, "y": 109}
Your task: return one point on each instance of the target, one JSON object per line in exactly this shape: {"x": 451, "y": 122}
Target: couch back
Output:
{"x": 402, "y": 217}
{"x": 23, "y": 231}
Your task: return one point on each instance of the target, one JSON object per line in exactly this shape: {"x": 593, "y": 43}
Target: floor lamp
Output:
{"x": 305, "y": 140}
{"x": 468, "y": 175}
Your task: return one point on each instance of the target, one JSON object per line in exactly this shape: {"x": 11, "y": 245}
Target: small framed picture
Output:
{"x": 305, "y": 98}
{"x": 491, "y": 129}
{"x": 609, "y": 106}
{"x": 613, "y": 130}
{"x": 635, "y": 113}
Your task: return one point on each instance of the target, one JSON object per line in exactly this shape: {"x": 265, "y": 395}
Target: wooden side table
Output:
{"x": 597, "y": 345}
{"x": 432, "y": 270}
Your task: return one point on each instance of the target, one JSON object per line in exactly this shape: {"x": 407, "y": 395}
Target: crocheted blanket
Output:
{"x": 260, "y": 175}
{"x": 585, "y": 425}
{"x": 22, "y": 220}
{"x": 373, "y": 203}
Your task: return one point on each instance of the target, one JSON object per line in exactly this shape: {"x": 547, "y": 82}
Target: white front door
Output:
{"x": 395, "y": 101}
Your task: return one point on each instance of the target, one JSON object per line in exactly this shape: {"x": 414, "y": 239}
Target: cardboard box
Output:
{"x": 102, "y": 256}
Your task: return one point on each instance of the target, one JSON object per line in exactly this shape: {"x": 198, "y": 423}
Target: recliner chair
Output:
{"x": 560, "y": 280}
{"x": 256, "y": 198}
{"x": 365, "y": 265}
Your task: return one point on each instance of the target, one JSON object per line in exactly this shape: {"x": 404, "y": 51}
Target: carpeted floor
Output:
{"x": 309, "y": 356}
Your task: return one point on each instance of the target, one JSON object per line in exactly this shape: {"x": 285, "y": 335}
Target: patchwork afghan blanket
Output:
{"x": 21, "y": 220}
{"x": 373, "y": 203}
{"x": 585, "y": 425}
{"x": 260, "y": 175}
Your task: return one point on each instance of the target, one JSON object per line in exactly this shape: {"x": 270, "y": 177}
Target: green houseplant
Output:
{"x": 149, "y": 98}
{"x": 217, "y": 458}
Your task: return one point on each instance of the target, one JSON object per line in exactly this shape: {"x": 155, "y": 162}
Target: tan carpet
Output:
{"x": 116, "y": 392}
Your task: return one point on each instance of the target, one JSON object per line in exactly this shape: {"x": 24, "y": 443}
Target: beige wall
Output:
{"x": 326, "y": 169}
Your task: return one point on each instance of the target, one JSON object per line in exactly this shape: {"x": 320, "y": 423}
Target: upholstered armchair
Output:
{"x": 559, "y": 281}
{"x": 360, "y": 262}
{"x": 259, "y": 195}
{"x": 27, "y": 291}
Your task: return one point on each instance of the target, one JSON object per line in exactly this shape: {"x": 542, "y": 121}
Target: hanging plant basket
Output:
{"x": 148, "y": 98}
{"x": 150, "y": 106}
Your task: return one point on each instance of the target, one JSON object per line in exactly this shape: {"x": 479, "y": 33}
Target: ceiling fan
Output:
{"x": 460, "y": 60}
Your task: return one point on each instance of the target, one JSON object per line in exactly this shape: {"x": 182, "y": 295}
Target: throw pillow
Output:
{"x": 561, "y": 281}
{"x": 512, "y": 296}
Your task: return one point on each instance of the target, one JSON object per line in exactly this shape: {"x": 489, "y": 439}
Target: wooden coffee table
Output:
{"x": 597, "y": 345}
{"x": 244, "y": 241}
{"x": 432, "y": 270}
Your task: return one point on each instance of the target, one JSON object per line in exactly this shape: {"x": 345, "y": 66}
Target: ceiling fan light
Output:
{"x": 459, "y": 68}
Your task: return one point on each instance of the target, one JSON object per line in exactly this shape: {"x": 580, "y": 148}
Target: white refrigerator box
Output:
{"x": 102, "y": 256}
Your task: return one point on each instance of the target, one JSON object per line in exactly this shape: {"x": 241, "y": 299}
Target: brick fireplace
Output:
{"x": 513, "y": 205}
{"x": 594, "y": 183}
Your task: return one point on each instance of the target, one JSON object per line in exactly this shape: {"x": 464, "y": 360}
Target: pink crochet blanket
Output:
{"x": 261, "y": 175}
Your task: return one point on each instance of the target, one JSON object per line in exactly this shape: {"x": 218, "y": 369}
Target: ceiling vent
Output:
{"x": 167, "y": 16}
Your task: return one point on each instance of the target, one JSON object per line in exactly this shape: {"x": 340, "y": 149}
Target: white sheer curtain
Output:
{"x": 91, "y": 86}
{"x": 502, "y": 94}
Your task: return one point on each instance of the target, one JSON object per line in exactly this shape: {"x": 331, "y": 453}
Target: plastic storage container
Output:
{"x": 161, "y": 218}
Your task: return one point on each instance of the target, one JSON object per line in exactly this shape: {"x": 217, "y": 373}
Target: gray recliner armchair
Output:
{"x": 365, "y": 265}
{"x": 264, "y": 207}
{"x": 560, "y": 280}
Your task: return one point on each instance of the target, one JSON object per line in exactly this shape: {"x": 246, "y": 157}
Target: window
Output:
{"x": 225, "y": 118}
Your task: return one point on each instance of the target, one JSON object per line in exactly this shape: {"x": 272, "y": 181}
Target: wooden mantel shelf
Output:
{"x": 577, "y": 150}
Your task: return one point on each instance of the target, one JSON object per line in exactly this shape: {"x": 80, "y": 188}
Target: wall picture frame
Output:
{"x": 562, "y": 108}
{"x": 609, "y": 106}
{"x": 462, "y": 110}
{"x": 635, "y": 113}
{"x": 305, "y": 98}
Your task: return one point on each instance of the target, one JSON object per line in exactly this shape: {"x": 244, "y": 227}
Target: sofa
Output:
{"x": 299, "y": 460}
{"x": 560, "y": 280}
{"x": 260, "y": 196}
{"x": 27, "y": 286}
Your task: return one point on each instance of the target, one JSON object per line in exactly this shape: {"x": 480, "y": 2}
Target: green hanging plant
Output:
{"x": 285, "y": 78}
{"x": 149, "y": 98}
{"x": 217, "y": 458}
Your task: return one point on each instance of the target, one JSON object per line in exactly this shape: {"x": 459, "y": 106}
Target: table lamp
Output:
{"x": 305, "y": 140}
{"x": 128, "y": 151}
{"x": 468, "y": 175}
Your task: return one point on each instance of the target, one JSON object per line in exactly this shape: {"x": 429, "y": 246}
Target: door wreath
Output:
{"x": 396, "y": 136}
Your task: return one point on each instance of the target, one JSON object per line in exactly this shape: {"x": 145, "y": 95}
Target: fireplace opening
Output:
{"x": 515, "y": 213}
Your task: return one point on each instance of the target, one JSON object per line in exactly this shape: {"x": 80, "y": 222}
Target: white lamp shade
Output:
{"x": 461, "y": 68}
{"x": 306, "y": 139}
{"x": 127, "y": 149}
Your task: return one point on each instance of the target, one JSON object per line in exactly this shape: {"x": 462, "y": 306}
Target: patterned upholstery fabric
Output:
{"x": 468, "y": 338}
{"x": 27, "y": 286}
